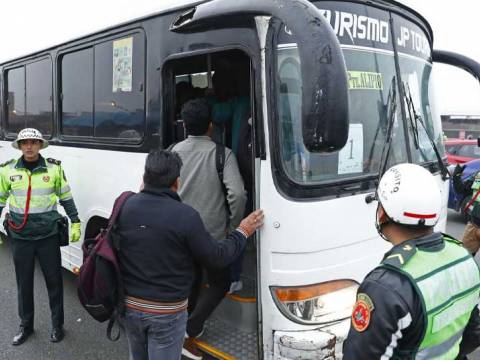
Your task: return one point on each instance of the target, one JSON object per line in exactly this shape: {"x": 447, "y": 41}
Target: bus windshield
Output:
{"x": 372, "y": 94}
{"x": 374, "y": 101}
{"x": 419, "y": 85}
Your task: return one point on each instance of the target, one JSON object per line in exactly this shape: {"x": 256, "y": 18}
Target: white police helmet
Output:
{"x": 29, "y": 133}
{"x": 410, "y": 195}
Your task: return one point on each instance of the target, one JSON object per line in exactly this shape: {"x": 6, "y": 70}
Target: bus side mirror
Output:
{"x": 325, "y": 121}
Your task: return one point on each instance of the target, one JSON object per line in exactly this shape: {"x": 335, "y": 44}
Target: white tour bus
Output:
{"x": 338, "y": 91}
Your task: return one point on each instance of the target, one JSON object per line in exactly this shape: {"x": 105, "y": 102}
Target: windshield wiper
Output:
{"x": 391, "y": 111}
{"x": 415, "y": 119}
{"x": 412, "y": 115}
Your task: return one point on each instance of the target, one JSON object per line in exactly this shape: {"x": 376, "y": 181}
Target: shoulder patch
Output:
{"x": 7, "y": 162}
{"x": 362, "y": 312}
{"x": 53, "y": 161}
{"x": 400, "y": 254}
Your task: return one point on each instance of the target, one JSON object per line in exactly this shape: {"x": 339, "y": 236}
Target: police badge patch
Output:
{"x": 46, "y": 178}
{"x": 362, "y": 312}
{"x": 14, "y": 178}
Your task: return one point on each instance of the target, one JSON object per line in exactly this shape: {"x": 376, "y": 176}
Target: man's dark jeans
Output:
{"x": 152, "y": 337}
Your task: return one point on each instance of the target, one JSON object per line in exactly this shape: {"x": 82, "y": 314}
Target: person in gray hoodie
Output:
{"x": 221, "y": 207}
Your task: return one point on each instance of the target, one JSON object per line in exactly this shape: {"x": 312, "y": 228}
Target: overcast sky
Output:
{"x": 29, "y": 25}
{"x": 455, "y": 28}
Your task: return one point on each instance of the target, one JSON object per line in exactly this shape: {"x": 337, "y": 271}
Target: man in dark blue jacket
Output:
{"x": 161, "y": 241}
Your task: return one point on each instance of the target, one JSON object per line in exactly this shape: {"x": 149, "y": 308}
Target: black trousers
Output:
{"x": 47, "y": 251}
{"x": 202, "y": 302}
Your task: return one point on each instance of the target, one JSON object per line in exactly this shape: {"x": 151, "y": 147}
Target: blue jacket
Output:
{"x": 161, "y": 240}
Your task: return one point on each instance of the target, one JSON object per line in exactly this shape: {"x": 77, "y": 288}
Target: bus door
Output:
{"x": 253, "y": 339}
{"x": 224, "y": 80}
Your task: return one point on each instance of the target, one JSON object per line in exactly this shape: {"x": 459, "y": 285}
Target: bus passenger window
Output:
{"x": 30, "y": 106}
{"x": 39, "y": 96}
{"x": 16, "y": 119}
{"x": 119, "y": 82}
{"x": 108, "y": 101}
{"x": 77, "y": 91}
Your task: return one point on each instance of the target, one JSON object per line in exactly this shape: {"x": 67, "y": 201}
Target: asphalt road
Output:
{"x": 85, "y": 338}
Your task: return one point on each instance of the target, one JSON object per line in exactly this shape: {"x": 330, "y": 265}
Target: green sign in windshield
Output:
{"x": 365, "y": 80}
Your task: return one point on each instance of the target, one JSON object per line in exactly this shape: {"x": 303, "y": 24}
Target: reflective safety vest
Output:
{"x": 48, "y": 185}
{"x": 448, "y": 283}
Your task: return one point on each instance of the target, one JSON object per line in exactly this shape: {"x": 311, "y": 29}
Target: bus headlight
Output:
{"x": 316, "y": 304}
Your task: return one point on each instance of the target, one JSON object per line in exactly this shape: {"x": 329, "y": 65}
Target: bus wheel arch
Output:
{"x": 94, "y": 225}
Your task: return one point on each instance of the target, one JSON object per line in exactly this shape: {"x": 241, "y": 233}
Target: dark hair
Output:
{"x": 196, "y": 116}
{"x": 162, "y": 168}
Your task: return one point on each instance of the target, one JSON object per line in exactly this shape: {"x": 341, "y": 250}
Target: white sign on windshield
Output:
{"x": 350, "y": 158}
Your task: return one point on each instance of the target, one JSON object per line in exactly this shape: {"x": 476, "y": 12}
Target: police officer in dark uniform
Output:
{"x": 421, "y": 302}
{"x": 32, "y": 186}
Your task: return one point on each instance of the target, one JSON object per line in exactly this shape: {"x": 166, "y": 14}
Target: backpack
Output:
{"x": 100, "y": 288}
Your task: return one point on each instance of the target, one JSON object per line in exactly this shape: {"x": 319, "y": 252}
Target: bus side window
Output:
{"x": 109, "y": 100}
{"x": 15, "y": 96}
{"x": 29, "y": 97}
{"x": 77, "y": 93}
{"x": 39, "y": 96}
{"x": 119, "y": 81}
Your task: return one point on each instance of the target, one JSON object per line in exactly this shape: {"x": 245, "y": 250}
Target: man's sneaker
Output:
{"x": 195, "y": 337}
{"x": 190, "y": 349}
{"x": 235, "y": 286}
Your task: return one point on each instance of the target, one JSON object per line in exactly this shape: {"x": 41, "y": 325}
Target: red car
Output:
{"x": 459, "y": 151}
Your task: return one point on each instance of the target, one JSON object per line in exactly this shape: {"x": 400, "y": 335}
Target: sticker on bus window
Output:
{"x": 364, "y": 80}
{"x": 122, "y": 65}
{"x": 350, "y": 158}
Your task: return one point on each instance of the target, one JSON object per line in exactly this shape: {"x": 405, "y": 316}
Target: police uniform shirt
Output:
{"x": 387, "y": 320}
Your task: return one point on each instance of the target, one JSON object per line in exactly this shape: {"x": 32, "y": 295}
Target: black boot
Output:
{"x": 57, "y": 335}
{"x": 22, "y": 336}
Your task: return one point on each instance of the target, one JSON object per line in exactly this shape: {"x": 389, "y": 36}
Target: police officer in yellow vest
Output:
{"x": 421, "y": 302}
{"x": 32, "y": 185}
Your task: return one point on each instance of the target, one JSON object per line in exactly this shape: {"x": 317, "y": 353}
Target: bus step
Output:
{"x": 225, "y": 342}
{"x": 248, "y": 290}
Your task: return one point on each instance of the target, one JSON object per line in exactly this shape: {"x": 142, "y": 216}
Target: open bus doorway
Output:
{"x": 224, "y": 80}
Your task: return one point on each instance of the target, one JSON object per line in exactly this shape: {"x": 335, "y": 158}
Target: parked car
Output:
{"x": 460, "y": 151}
{"x": 457, "y": 200}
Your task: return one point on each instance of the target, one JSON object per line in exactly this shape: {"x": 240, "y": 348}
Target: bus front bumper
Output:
{"x": 320, "y": 344}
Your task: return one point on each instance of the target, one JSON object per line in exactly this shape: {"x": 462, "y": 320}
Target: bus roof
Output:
{"x": 166, "y": 6}
{"x": 160, "y": 7}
